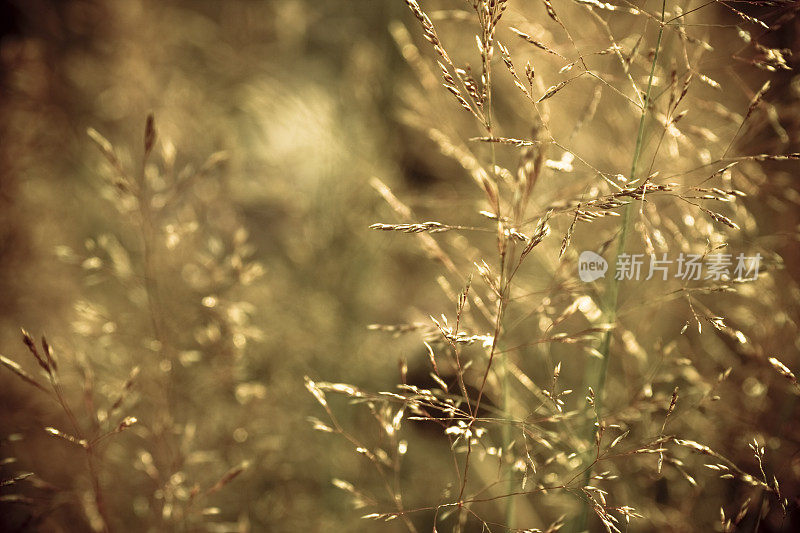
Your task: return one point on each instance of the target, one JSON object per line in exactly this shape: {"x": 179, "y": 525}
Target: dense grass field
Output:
{"x": 399, "y": 265}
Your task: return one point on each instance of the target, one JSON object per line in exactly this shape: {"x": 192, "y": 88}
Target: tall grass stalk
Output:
{"x": 598, "y": 377}
{"x": 613, "y": 286}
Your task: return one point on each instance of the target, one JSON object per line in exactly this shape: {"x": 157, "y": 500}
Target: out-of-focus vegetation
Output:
{"x": 206, "y": 246}
{"x": 270, "y": 118}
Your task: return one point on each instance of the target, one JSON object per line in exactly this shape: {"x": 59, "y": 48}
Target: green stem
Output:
{"x": 613, "y": 287}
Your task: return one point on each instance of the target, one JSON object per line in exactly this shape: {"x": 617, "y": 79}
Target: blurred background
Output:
{"x": 299, "y": 98}
{"x": 255, "y": 267}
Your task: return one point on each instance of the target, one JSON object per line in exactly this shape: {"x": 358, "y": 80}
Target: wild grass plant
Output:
{"x": 188, "y": 269}
{"x": 606, "y": 405}
{"x": 183, "y": 287}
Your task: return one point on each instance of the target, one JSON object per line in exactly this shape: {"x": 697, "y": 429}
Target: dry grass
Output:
{"x": 541, "y": 434}
{"x": 461, "y": 375}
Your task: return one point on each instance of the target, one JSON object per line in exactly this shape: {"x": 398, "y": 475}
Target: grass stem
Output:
{"x": 597, "y": 378}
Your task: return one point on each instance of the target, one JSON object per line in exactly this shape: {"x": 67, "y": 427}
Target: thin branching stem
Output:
{"x": 599, "y": 379}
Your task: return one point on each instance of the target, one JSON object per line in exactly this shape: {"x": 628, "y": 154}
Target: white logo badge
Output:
{"x": 591, "y": 266}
